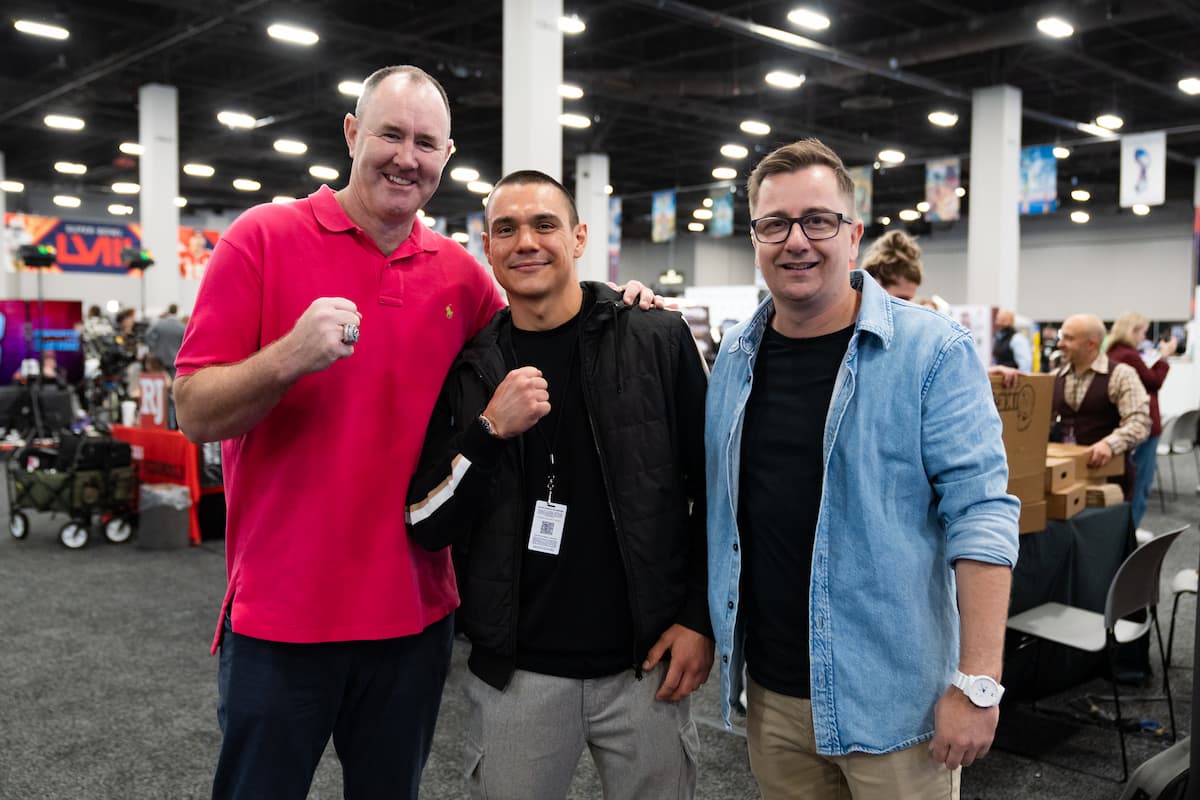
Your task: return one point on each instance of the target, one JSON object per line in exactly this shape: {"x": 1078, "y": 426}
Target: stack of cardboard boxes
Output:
{"x": 1052, "y": 481}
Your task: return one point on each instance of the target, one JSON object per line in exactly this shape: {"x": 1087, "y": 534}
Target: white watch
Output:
{"x": 982, "y": 690}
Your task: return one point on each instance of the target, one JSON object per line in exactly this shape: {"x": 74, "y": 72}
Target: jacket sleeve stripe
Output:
{"x": 441, "y": 494}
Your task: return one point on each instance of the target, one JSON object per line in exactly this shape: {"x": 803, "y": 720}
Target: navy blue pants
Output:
{"x": 279, "y": 703}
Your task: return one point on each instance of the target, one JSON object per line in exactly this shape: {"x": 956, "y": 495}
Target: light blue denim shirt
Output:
{"x": 915, "y": 478}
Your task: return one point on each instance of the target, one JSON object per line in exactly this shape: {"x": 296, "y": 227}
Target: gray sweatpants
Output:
{"x": 525, "y": 742}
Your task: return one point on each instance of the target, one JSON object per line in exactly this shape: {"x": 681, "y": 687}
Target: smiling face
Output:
{"x": 399, "y": 144}
{"x": 531, "y": 243}
{"x": 1079, "y": 342}
{"x": 808, "y": 277}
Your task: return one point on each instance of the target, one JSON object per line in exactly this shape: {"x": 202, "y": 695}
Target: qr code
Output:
{"x": 547, "y": 528}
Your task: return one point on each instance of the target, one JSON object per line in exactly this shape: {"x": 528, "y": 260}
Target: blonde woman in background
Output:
{"x": 894, "y": 261}
{"x": 1124, "y": 342}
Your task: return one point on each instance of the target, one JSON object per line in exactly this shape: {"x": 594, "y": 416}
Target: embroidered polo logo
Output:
{"x": 449, "y": 311}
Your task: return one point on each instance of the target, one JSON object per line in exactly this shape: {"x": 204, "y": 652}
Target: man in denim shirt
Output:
{"x": 861, "y": 541}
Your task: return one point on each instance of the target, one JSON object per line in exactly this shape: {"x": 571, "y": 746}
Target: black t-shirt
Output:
{"x": 574, "y": 618}
{"x": 780, "y": 495}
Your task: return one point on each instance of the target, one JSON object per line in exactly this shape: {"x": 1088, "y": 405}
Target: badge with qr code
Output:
{"x": 545, "y": 535}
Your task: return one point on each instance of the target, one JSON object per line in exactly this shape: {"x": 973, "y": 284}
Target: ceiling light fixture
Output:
{"x": 131, "y": 148}
{"x": 910, "y": 215}
{"x": 608, "y": 188}
{"x": 199, "y": 170}
{"x": 430, "y": 222}
{"x": 63, "y": 122}
{"x": 890, "y": 156}
{"x": 1081, "y": 195}
{"x": 181, "y": 202}
{"x": 808, "y": 18}
{"x": 462, "y": 237}
{"x": 282, "y": 198}
{"x": 12, "y": 186}
{"x": 126, "y": 187}
{"x": 571, "y": 25}
{"x": 923, "y": 207}
{"x": 754, "y": 127}
{"x": 885, "y": 221}
{"x": 70, "y": 168}
{"x": 1110, "y": 121}
{"x": 1061, "y": 152}
{"x": 1190, "y": 85}
{"x": 323, "y": 173}
{"x": 724, "y": 173}
{"x": 479, "y": 187}
{"x": 246, "y": 184}
{"x": 943, "y": 119}
{"x": 570, "y": 91}
{"x": 464, "y": 174}
{"x": 1095, "y": 130}
{"x": 1080, "y": 217}
{"x": 734, "y": 151}
{"x": 292, "y": 147}
{"x": 574, "y": 121}
{"x": 42, "y": 29}
{"x": 235, "y": 119}
{"x": 1055, "y": 27}
{"x": 702, "y": 213}
{"x": 1141, "y": 209}
{"x": 960, "y": 191}
{"x": 707, "y": 202}
{"x": 353, "y": 88}
{"x": 782, "y": 79}
{"x": 67, "y": 201}
{"x": 292, "y": 34}
{"x": 120, "y": 210}
{"x": 696, "y": 227}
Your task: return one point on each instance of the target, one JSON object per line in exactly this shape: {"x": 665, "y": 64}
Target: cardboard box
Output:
{"x": 1027, "y": 488}
{"x": 1025, "y": 413}
{"x": 1060, "y": 473}
{"x": 1068, "y": 502}
{"x": 1080, "y": 452}
{"x": 1104, "y": 494}
{"x": 1033, "y": 517}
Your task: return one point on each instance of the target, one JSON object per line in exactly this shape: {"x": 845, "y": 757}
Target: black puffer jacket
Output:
{"x": 644, "y": 384}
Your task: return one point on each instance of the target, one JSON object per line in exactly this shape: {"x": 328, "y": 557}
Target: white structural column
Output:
{"x": 158, "y": 133}
{"x": 532, "y": 74}
{"x": 591, "y": 177}
{"x": 994, "y": 229}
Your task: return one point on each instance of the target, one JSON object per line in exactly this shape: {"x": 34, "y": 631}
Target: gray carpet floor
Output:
{"x": 107, "y": 689}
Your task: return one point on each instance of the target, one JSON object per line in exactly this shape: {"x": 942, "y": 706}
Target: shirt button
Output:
{"x": 730, "y": 604}
{"x": 735, "y": 547}
{"x": 724, "y": 659}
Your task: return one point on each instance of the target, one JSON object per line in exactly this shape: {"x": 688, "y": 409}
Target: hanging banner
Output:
{"x": 941, "y": 189}
{"x": 81, "y": 246}
{"x": 721, "y": 224}
{"x": 1039, "y": 180}
{"x": 863, "y": 178}
{"x": 475, "y": 232}
{"x": 662, "y": 209}
{"x": 614, "y": 237}
{"x": 1144, "y": 169}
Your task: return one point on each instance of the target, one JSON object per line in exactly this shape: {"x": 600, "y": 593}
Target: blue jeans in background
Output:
{"x": 1145, "y": 458}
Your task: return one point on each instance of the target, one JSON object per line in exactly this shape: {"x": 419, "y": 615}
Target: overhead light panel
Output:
{"x": 782, "y": 79}
{"x": 574, "y": 121}
{"x": 42, "y": 29}
{"x": 246, "y": 185}
{"x": 464, "y": 174}
{"x": 352, "y": 88}
{"x": 1110, "y": 121}
{"x": 702, "y": 213}
{"x": 754, "y": 127}
{"x": 430, "y": 222}
{"x": 70, "y": 168}
{"x": 1061, "y": 152}
{"x": 1081, "y": 195}
{"x": 282, "y": 198}
{"x": 808, "y": 18}
{"x": 734, "y": 151}
{"x": 707, "y": 202}
{"x": 724, "y": 173}
{"x": 885, "y": 221}
{"x": 608, "y": 189}
{"x": 1080, "y": 217}
{"x": 923, "y": 207}
{"x": 479, "y": 187}
{"x": 292, "y": 34}
{"x": 462, "y": 237}
{"x": 126, "y": 187}
{"x": 943, "y": 119}
{"x": 910, "y": 215}
{"x": 890, "y": 156}
{"x": 291, "y": 146}
{"x": 570, "y": 91}
{"x": 131, "y": 148}
{"x": 1190, "y": 85}
{"x": 120, "y": 210}
{"x": 63, "y": 122}
{"x": 571, "y": 25}
{"x": 199, "y": 170}
{"x": 1095, "y": 130}
{"x": 1141, "y": 209}
{"x": 323, "y": 173}
{"x": 696, "y": 227}
{"x": 960, "y": 191}
{"x": 181, "y": 202}
{"x": 1055, "y": 27}
{"x": 235, "y": 119}
{"x": 67, "y": 201}
{"x": 12, "y": 186}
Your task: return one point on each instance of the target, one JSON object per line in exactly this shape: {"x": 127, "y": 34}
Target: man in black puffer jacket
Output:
{"x": 564, "y": 463}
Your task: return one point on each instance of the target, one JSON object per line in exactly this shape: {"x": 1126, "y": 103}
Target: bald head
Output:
{"x": 1080, "y": 338}
{"x": 1004, "y": 318}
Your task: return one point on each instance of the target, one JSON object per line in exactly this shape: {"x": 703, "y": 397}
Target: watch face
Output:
{"x": 984, "y": 692}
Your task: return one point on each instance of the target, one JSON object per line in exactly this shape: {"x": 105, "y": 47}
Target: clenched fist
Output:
{"x": 521, "y": 399}
{"x": 315, "y": 342}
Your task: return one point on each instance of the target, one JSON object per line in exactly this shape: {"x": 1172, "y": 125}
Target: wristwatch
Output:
{"x": 982, "y": 690}
{"x": 488, "y": 427}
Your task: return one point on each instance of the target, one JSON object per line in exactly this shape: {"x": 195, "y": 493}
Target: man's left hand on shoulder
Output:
{"x": 962, "y": 731}
{"x": 688, "y": 668}
{"x": 635, "y": 293}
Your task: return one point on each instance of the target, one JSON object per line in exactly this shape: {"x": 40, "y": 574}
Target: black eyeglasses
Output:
{"x": 822, "y": 225}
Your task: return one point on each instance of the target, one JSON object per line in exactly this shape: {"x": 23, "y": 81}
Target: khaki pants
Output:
{"x": 785, "y": 763}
